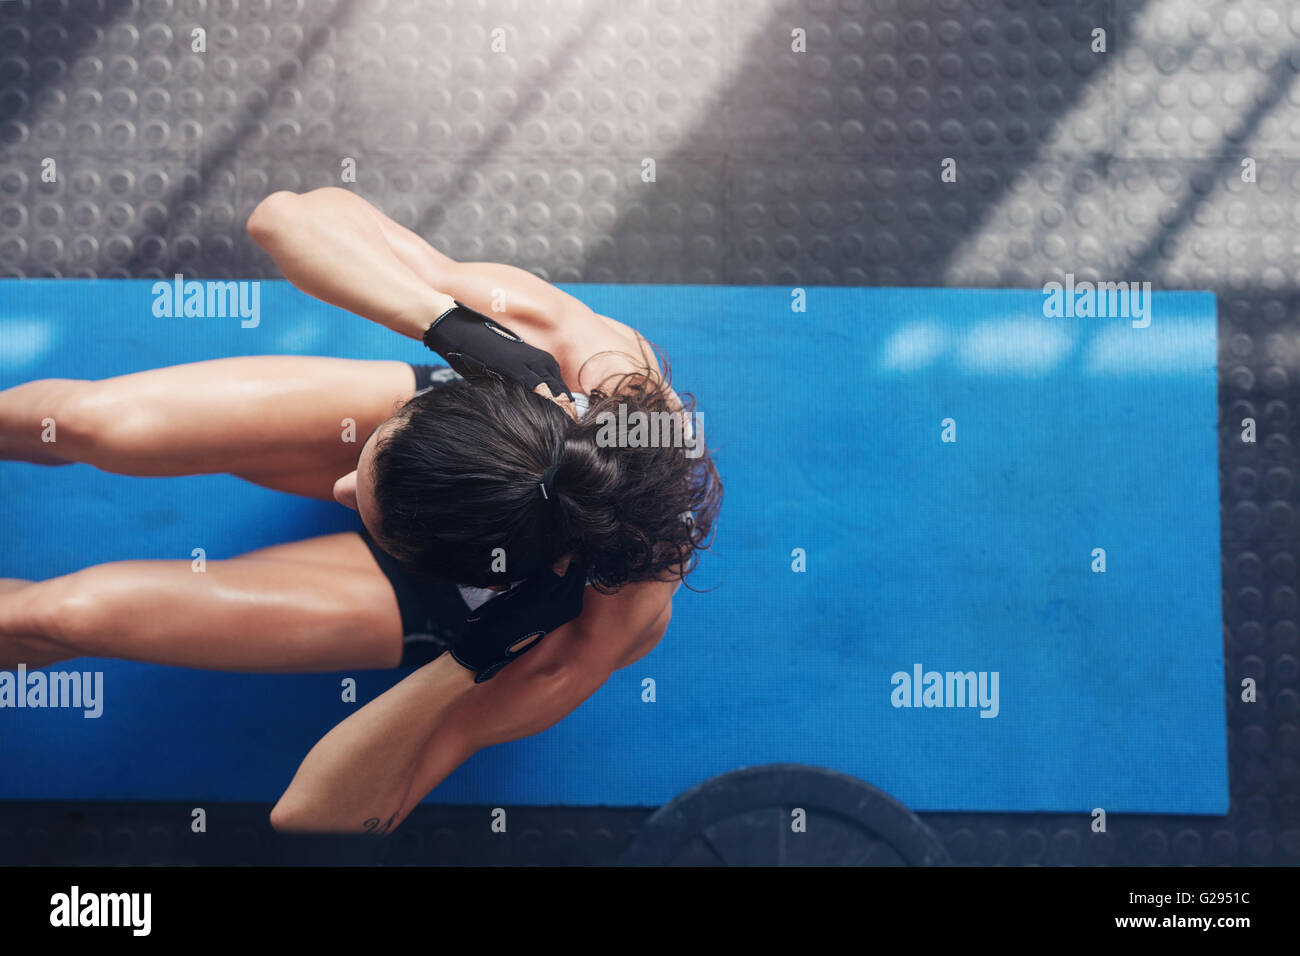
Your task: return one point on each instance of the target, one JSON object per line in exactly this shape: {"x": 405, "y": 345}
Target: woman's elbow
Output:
{"x": 271, "y": 215}
{"x": 303, "y": 809}
{"x": 288, "y": 816}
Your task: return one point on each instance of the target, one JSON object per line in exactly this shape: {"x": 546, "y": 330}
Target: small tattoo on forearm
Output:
{"x": 375, "y": 828}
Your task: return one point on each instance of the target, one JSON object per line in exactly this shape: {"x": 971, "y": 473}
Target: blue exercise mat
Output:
{"x": 858, "y": 550}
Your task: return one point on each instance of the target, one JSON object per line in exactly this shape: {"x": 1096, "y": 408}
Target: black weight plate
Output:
{"x": 744, "y": 818}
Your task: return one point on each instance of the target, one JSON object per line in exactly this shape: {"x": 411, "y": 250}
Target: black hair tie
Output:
{"x": 548, "y": 476}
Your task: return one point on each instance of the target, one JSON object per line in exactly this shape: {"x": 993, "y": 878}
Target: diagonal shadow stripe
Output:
{"x": 431, "y": 219}
{"x": 1280, "y": 80}
{"x": 224, "y": 154}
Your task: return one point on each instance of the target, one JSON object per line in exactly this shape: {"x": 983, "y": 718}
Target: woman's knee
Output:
{"x": 93, "y": 423}
{"x": 61, "y": 611}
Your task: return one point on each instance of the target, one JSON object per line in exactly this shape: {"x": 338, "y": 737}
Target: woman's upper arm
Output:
{"x": 628, "y": 623}
{"x": 494, "y": 288}
{"x": 649, "y": 640}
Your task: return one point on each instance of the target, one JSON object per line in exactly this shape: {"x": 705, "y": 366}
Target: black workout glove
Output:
{"x": 472, "y": 343}
{"x": 531, "y": 610}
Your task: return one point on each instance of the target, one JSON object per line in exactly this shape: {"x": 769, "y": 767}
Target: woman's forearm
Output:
{"x": 329, "y": 245}
{"x": 375, "y": 767}
{"x": 359, "y": 777}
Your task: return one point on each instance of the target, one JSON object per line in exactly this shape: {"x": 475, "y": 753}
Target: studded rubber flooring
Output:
{"x": 519, "y": 132}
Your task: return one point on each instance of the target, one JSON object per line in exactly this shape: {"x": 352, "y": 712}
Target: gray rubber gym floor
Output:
{"x": 772, "y": 167}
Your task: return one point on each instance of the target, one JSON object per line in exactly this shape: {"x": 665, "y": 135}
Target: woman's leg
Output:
{"x": 293, "y": 423}
{"x": 316, "y": 605}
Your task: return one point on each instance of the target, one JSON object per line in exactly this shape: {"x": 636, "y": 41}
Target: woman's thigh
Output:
{"x": 321, "y": 604}
{"x": 300, "y": 418}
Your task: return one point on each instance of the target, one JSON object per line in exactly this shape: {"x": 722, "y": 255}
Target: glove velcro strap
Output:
{"x": 499, "y": 657}
{"x": 457, "y": 308}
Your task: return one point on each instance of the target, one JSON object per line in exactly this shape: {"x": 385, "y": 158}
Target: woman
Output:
{"x": 488, "y": 503}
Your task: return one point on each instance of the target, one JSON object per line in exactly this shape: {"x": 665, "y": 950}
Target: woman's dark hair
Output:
{"x": 457, "y": 483}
